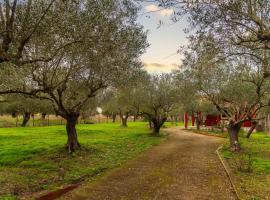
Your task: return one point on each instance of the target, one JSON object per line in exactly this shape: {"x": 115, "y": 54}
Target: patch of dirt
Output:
{"x": 184, "y": 167}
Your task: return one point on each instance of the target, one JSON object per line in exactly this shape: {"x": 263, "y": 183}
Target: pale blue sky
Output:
{"x": 164, "y": 41}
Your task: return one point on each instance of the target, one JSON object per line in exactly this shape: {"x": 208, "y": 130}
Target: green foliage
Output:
{"x": 34, "y": 159}
{"x": 8, "y": 197}
{"x": 255, "y": 159}
{"x": 245, "y": 160}
{"x": 258, "y": 146}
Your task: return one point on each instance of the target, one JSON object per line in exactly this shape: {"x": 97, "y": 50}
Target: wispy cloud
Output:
{"x": 160, "y": 67}
{"x": 161, "y": 11}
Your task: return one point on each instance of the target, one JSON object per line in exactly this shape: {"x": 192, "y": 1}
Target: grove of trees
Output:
{"x": 227, "y": 58}
{"x": 68, "y": 57}
{"x": 67, "y": 51}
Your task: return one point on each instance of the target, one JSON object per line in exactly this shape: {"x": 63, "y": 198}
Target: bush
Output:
{"x": 244, "y": 160}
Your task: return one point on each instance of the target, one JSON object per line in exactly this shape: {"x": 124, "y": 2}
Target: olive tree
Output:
{"x": 111, "y": 43}
{"x": 236, "y": 87}
{"x": 109, "y": 104}
{"x": 160, "y": 97}
{"x": 126, "y": 97}
{"x": 22, "y": 22}
{"x": 17, "y": 104}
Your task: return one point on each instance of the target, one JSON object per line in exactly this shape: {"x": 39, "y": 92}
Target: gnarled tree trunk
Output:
{"x": 135, "y": 117}
{"x": 43, "y": 116}
{"x": 26, "y": 118}
{"x": 113, "y": 118}
{"x": 198, "y": 120}
{"x": 72, "y": 143}
{"x": 124, "y": 119}
{"x": 198, "y": 124}
{"x": 233, "y": 131}
{"x": 254, "y": 124}
{"x": 157, "y": 123}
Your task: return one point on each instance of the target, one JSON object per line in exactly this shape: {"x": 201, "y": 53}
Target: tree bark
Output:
{"x": 113, "y": 118}
{"x": 26, "y": 118}
{"x": 254, "y": 124}
{"x": 233, "y": 131}
{"x": 135, "y": 117}
{"x": 124, "y": 119}
{"x": 157, "y": 124}
{"x": 72, "y": 142}
{"x": 43, "y": 116}
{"x": 198, "y": 124}
{"x": 198, "y": 120}
{"x": 124, "y": 122}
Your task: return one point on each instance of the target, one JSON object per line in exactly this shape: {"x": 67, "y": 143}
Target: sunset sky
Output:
{"x": 164, "y": 41}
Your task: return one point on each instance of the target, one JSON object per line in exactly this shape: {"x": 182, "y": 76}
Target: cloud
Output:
{"x": 152, "y": 8}
{"x": 161, "y": 11}
{"x": 159, "y": 67}
{"x": 166, "y": 12}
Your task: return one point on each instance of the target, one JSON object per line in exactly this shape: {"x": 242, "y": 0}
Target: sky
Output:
{"x": 164, "y": 40}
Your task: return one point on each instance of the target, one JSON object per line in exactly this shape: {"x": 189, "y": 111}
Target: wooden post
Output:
{"x": 186, "y": 120}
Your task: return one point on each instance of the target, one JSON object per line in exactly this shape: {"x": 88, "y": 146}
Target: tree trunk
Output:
{"x": 193, "y": 119}
{"x": 198, "y": 120}
{"x": 14, "y": 114}
{"x": 43, "y": 116}
{"x": 124, "y": 120}
{"x": 113, "y": 118}
{"x": 233, "y": 131}
{"x": 157, "y": 124}
{"x": 26, "y": 118}
{"x": 254, "y": 124}
{"x": 72, "y": 143}
{"x": 176, "y": 119}
{"x": 198, "y": 127}
{"x": 135, "y": 117}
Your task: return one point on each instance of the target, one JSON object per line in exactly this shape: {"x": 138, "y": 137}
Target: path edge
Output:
{"x": 205, "y": 134}
{"x": 227, "y": 172}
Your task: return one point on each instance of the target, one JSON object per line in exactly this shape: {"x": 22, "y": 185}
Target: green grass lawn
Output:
{"x": 33, "y": 159}
{"x": 253, "y": 185}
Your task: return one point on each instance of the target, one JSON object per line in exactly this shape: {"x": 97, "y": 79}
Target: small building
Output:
{"x": 212, "y": 120}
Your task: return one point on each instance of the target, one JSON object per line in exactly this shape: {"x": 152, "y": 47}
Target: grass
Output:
{"x": 33, "y": 159}
{"x": 251, "y": 166}
{"x": 253, "y": 184}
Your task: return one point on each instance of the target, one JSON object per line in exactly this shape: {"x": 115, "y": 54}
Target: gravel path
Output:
{"x": 184, "y": 167}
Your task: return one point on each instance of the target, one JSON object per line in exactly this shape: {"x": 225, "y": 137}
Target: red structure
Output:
{"x": 247, "y": 124}
{"x": 212, "y": 120}
{"x": 186, "y": 120}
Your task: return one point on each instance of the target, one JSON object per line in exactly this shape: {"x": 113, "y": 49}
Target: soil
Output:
{"x": 184, "y": 167}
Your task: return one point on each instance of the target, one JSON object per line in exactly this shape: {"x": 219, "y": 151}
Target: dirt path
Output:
{"x": 184, "y": 167}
